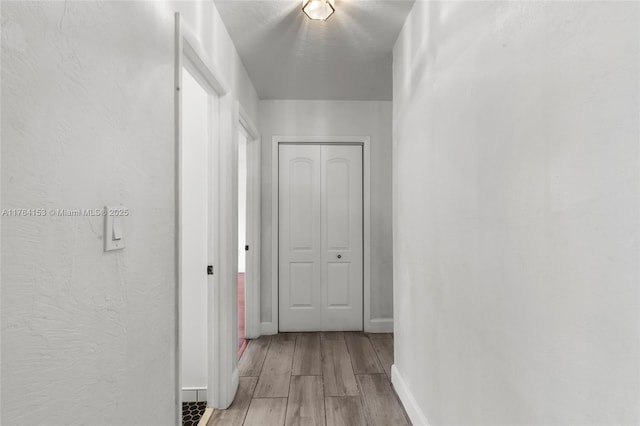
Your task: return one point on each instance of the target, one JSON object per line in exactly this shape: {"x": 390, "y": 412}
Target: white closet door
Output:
{"x": 341, "y": 223}
{"x": 299, "y": 238}
{"x": 320, "y": 237}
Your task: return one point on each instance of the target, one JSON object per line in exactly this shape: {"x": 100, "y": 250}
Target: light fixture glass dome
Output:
{"x": 318, "y": 9}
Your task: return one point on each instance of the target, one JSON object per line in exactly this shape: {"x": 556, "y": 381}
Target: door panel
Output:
{"x": 320, "y": 237}
{"x": 299, "y": 239}
{"x": 301, "y": 203}
{"x": 301, "y": 292}
{"x": 337, "y": 199}
{"x": 342, "y": 236}
{"x": 338, "y": 284}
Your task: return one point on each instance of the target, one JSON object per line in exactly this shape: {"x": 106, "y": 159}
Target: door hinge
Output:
{"x": 246, "y": 248}
{"x": 209, "y": 269}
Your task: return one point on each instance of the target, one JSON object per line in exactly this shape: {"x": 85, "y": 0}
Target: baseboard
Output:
{"x": 412, "y": 408}
{"x": 376, "y": 325}
{"x": 379, "y": 325}
{"x": 268, "y": 328}
{"x": 193, "y": 394}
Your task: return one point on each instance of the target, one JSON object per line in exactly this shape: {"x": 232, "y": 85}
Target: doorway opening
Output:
{"x": 327, "y": 243}
{"x": 247, "y": 188}
{"x": 194, "y": 237}
{"x": 321, "y": 237}
{"x": 204, "y": 352}
{"x": 243, "y": 246}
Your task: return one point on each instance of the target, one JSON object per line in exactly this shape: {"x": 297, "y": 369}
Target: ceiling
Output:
{"x": 288, "y": 56}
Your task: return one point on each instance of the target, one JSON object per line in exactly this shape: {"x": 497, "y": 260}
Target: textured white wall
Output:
{"x": 87, "y": 336}
{"x": 335, "y": 118}
{"x": 515, "y": 202}
{"x": 87, "y": 95}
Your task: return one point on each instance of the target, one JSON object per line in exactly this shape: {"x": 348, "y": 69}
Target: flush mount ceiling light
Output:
{"x": 319, "y": 10}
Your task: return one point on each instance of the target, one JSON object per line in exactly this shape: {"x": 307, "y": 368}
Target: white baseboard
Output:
{"x": 412, "y": 408}
{"x": 268, "y": 328}
{"x": 379, "y": 325}
{"x": 193, "y": 394}
{"x": 376, "y": 325}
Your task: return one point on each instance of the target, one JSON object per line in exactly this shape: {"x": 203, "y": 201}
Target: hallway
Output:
{"x": 484, "y": 235}
{"x": 330, "y": 378}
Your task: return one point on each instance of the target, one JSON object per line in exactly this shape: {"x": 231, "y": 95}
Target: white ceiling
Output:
{"x": 288, "y": 56}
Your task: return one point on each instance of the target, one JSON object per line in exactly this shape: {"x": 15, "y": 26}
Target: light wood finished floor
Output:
{"x": 330, "y": 379}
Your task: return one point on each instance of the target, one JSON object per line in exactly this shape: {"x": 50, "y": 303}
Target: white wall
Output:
{"x": 335, "y": 118}
{"x": 515, "y": 202}
{"x": 89, "y": 337}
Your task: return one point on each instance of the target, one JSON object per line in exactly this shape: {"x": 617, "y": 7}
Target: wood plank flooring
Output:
{"x": 276, "y": 371}
{"x": 306, "y": 359}
{"x": 329, "y": 378}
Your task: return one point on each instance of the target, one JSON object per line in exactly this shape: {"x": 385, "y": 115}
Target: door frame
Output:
{"x": 221, "y": 386}
{"x": 365, "y": 141}
{"x": 254, "y": 179}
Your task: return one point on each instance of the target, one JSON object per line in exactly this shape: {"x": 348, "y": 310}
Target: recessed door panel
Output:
{"x": 338, "y": 284}
{"x": 338, "y": 207}
{"x": 301, "y": 285}
{"x": 301, "y": 203}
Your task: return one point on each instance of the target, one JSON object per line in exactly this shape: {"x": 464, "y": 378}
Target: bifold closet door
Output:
{"x": 299, "y": 238}
{"x": 320, "y": 237}
{"x": 341, "y": 233}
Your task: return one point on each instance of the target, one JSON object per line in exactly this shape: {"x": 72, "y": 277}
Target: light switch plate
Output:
{"x": 114, "y": 226}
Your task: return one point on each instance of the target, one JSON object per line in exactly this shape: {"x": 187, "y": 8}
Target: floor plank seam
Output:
{"x": 265, "y": 356}
{"x": 346, "y": 343}
{"x": 286, "y": 409}
{"x": 269, "y": 397}
{"x": 375, "y": 349}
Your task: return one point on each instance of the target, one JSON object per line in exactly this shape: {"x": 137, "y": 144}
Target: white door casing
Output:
{"x": 270, "y": 325}
{"x": 320, "y": 237}
{"x": 221, "y": 359}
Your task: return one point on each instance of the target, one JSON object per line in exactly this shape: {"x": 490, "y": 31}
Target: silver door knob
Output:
{"x": 339, "y": 256}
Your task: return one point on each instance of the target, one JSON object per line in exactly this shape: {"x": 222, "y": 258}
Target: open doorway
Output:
{"x": 194, "y": 236}
{"x": 248, "y": 218}
{"x": 243, "y": 247}
{"x": 205, "y": 312}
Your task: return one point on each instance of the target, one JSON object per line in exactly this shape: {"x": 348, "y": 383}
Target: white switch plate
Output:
{"x": 109, "y": 222}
